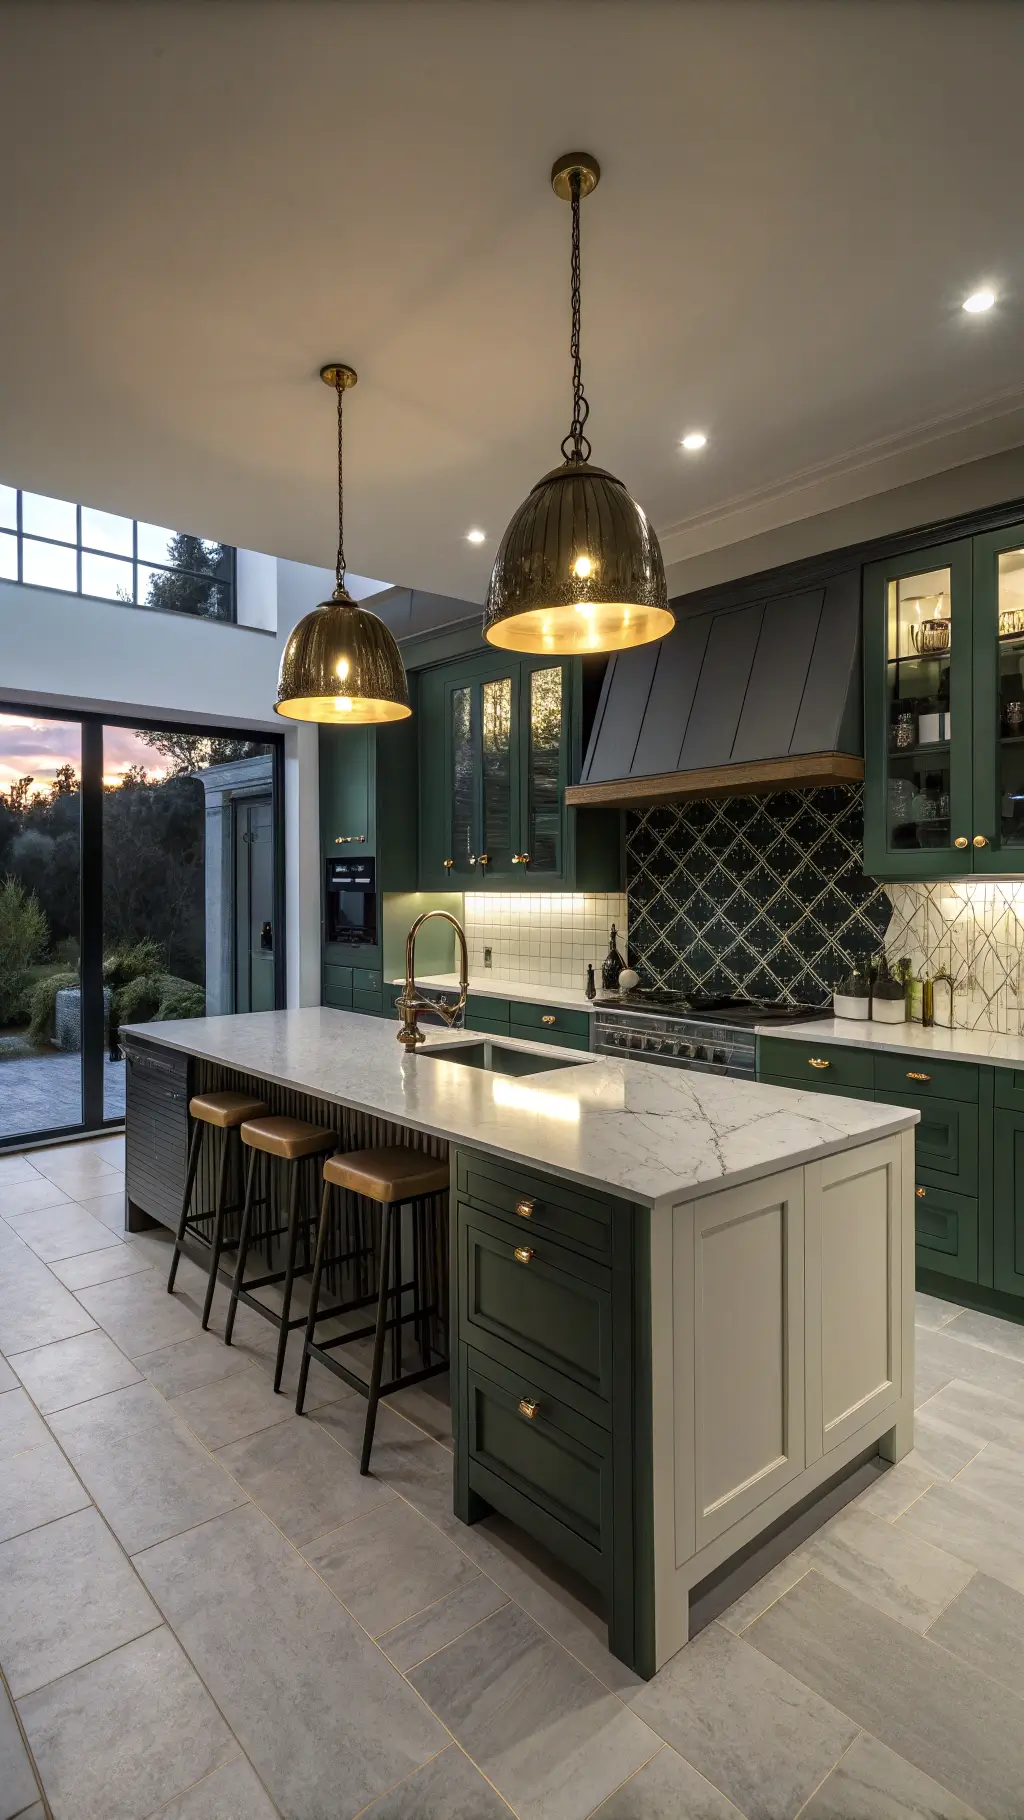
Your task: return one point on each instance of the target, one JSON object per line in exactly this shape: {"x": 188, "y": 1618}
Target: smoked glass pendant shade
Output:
{"x": 342, "y": 667}
{"x": 579, "y": 569}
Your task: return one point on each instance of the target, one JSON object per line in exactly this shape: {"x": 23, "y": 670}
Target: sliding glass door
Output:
{"x": 140, "y": 880}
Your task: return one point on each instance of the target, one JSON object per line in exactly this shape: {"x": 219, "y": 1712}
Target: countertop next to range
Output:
{"x": 491, "y": 985}
{"x": 905, "y": 1039}
{"x": 653, "y": 1135}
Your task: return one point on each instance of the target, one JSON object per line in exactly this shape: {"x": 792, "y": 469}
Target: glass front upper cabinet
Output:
{"x": 998, "y": 833}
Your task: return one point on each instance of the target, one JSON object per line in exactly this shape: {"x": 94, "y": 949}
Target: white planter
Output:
{"x": 851, "y": 1007}
{"x": 888, "y": 1011}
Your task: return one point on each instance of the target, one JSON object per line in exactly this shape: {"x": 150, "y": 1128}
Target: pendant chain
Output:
{"x": 580, "y": 446}
{"x": 340, "y": 565}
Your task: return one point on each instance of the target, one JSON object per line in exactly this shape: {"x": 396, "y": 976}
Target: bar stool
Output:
{"x": 293, "y": 1142}
{"x": 391, "y": 1178}
{"x": 224, "y": 1112}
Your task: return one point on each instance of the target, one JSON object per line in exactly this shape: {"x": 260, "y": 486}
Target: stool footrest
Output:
{"x": 269, "y": 1313}
{"x": 316, "y": 1350}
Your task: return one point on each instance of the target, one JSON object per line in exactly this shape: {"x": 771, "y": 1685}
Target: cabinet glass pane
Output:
{"x": 920, "y": 650}
{"x": 496, "y": 768}
{"x": 462, "y": 779}
{"x": 544, "y": 769}
{"x": 1011, "y": 698}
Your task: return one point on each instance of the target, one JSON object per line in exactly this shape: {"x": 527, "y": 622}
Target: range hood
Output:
{"x": 739, "y": 698}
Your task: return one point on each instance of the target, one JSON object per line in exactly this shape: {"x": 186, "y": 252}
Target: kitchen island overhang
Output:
{"x": 716, "y": 1320}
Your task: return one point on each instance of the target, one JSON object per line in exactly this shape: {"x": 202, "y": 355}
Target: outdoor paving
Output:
{"x": 44, "y": 1093}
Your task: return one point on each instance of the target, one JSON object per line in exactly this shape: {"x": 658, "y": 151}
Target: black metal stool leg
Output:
{"x": 289, "y": 1274}
{"x": 243, "y": 1247}
{"x": 198, "y": 1128}
{"x": 396, "y": 1331}
{"x": 217, "y": 1235}
{"x": 314, "y": 1295}
{"x": 378, "y": 1342}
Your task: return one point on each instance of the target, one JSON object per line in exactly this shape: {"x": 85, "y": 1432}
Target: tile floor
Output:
{"x": 206, "y": 1614}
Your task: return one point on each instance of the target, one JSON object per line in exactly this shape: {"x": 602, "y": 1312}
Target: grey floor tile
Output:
{"x": 757, "y": 1599}
{"x": 67, "y": 1595}
{"x": 762, "y": 1737}
{"x": 59, "y": 1232}
{"x": 966, "y": 1413}
{"x": 20, "y": 1426}
{"x": 233, "y": 1407}
{"x": 188, "y": 1364}
{"x": 29, "y": 1197}
{"x": 989, "y": 1332}
{"x": 667, "y": 1788}
{"x": 973, "y": 1364}
{"x": 985, "y": 1627}
{"x": 8, "y": 1378}
{"x": 446, "y": 1788}
{"x": 550, "y": 1737}
{"x": 976, "y": 1530}
{"x": 149, "y": 1476}
{"x": 102, "y": 1266}
{"x": 928, "y": 1378}
{"x": 138, "y": 1313}
{"x": 77, "y": 1170}
{"x": 15, "y": 1169}
{"x": 107, "y": 1208}
{"x": 910, "y": 1579}
{"x": 124, "y": 1734}
{"x": 304, "y": 1481}
{"x": 35, "y": 1812}
{"x": 72, "y": 1371}
{"x": 897, "y": 1489}
{"x": 35, "y": 1309}
{"x": 996, "y": 1473}
{"x": 35, "y": 1487}
{"x": 233, "y": 1792}
{"x": 429, "y": 1406}
{"x": 932, "y": 1312}
{"x": 390, "y": 1565}
{"x": 401, "y": 1451}
{"x": 439, "y": 1624}
{"x": 18, "y": 1787}
{"x": 938, "y": 1448}
{"x": 872, "y": 1783}
{"x": 941, "y": 1715}
{"x": 254, "y": 1618}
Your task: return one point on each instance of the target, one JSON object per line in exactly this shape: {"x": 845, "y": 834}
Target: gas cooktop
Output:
{"x": 741, "y": 1011}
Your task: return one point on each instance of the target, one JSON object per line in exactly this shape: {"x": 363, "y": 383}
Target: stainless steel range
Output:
{"x": 715, "y": 1036}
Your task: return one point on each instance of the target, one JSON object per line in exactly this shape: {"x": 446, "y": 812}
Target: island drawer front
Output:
{"x": 578, "y": 1220}
{"x": 945, "y": 1141}
{"x": 525, "y": 1300}
{"x": 491, "y": 1026}
{"x": 1009, "y": 1088}
{"x": 364, "y": 979}
{"x": 554, "y": 1459}
{"x": 550, "y": 1017}
{"x": 946, "y": 1232}
{"x": 926, "y": 1079}
{"x": 338, "y": 987}
{"x": 792, "y": 1086}
{"x": 481, "y": 1005}
{"x": 843, "y": 1067}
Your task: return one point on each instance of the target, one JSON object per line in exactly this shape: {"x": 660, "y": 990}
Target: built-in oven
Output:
{"x": 350, "y": 903}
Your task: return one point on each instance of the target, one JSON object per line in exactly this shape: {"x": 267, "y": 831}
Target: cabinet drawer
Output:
{"x": 553, "y": 1458}
{"x": 365, "y": 979}
{"x": 567, "y": 1039}
{"x": 787, "y": 1081}
{"x": 373, "y": 1002}
{"x": 558, "y": 1210}
{"x": 842, "y": 1067}
{"x": 482, "y": 1005}
{"x": 927, "y": 1079}
{"x": 522, "y": 1297}
{"x": 945, "y": 1142}
{"x": 338, "y": 987}
{"x": 552, "y": 1018}
{"x": 493, "y": 1026}
{"x": 946, "y": 1231}
{"x": 1009, "y": 1088}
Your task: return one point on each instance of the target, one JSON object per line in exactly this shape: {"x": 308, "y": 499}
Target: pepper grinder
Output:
{"x": 612, "y": 965}
{"x": 591, "y": 987}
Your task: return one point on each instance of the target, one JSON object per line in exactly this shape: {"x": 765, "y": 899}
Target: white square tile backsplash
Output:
{"x": 543, "y": 938}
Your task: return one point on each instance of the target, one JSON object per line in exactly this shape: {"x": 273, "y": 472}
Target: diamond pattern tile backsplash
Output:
{"x": 759, "y": 897}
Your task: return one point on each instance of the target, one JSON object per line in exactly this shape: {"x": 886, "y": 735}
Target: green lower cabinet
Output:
{"x": 801, "y": 1086}
{"x": 946, "y": 1141}
{"x": 946, "y": 1232}
{"x": 1008, "y": 1202}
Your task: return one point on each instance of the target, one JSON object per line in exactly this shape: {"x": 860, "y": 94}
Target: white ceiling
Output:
{"x": 200, "y": 204}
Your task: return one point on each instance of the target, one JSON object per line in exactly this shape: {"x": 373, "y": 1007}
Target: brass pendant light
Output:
{"x": 579, "y": 568}
{"x": 341, "y": 664}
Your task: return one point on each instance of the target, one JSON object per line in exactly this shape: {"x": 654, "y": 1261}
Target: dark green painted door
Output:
{"x": 255, "y": 980}
{"x": 544, "y": 722}
{"x": 946, "y": 1232}
{"x": 945, "y": 1141}
{"x": 346, "y": 797}
{"x": 998, "y": 818}
{"x": 918, "y": 767}
{"x": 1008, "y": 1202}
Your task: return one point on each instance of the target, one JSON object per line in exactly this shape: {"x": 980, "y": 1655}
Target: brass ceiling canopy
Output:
{"x": 579, "y": 569}
{"x": 341, "y": 665}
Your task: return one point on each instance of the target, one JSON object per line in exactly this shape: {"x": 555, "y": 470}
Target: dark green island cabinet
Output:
{"x": 969, "y": 1172}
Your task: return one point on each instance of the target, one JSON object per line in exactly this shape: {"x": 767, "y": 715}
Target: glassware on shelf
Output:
{"x": 903, "y": 733}
{"x": 930, "y": 636}
{"x": 1013, "y": 717}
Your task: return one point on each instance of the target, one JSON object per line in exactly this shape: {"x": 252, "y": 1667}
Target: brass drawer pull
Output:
{"x": 449, "y": 863}
{"x": 980, "y": 841}
{"x": 520, "y": 859}
{"x": 523, "y": 1254}
{"x": 912, "y": 1075}
{"x": 547, "y": 1020}
{"x": 817, "y": 1061}
{"x": 525, "y": 1207}
{"x": 920, "y": 1193}
{"x": 961, "y": 842}
{"x": 528, "y": 1408}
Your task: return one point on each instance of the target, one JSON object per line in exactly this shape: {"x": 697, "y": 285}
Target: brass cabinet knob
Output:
{"x": 912, "y": 1075}
{"x": 817, "y": 1061}
{"x": 520, "y": 859}
{"x": 347, "y": 840}
{"x": 920, "y": 1193}
{"x": 528, "y": 1408}
{"x": 449, "y": 863}
{"x": 525, "y": 1207}
{"x": 961, "y": 842}
{"x": 523, "y": 1254}
{"x": 484, "y": 859}
{"x": 980, "y": 841}
{"x": 547, "y": 1020}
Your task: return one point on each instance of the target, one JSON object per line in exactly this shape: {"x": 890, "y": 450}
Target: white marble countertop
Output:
{"x": 648, "y": 1134}
{"x": 492, "y": 985}
{"x": 906, "y": 1039}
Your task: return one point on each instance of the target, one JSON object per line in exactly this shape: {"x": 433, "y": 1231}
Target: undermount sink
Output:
{"x": 499, "y": 1058}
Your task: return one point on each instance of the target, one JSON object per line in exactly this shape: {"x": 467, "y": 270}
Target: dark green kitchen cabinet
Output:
{"x": 500, "y": 737}
{"x": 1008, "y": 1194}
{"x": 944, "y": 710}
{"x": 368, "y": 811}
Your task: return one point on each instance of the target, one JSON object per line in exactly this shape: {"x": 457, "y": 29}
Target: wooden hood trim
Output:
{"x": 800, "y": 771}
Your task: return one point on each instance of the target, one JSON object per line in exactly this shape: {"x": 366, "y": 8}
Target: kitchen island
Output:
{"x": 681, "y": 1304}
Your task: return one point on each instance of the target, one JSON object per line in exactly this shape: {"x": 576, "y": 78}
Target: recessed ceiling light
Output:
{"x": 979, "y": 301}
{"x": 695, "y": 439}
{"x": 474, "y": 536}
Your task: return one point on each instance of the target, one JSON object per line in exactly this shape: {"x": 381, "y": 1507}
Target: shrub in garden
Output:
{"x": 24, "y": 939}
{"x": 42, "y": 1005}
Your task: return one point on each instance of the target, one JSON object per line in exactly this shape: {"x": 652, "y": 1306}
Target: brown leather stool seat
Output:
{"x": 226, "y": 1110}
{"x": 287, "y": 1138}
{"x": 220, "y": 1112}
{"x": 391, "y": 1173}
{"x": 392, "y": 1177}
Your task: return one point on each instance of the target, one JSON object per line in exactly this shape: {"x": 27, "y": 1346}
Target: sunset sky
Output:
{"x": 37, "y": 748}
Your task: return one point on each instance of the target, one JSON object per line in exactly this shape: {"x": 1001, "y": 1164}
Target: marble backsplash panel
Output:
{"x": 972, "y": 931}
